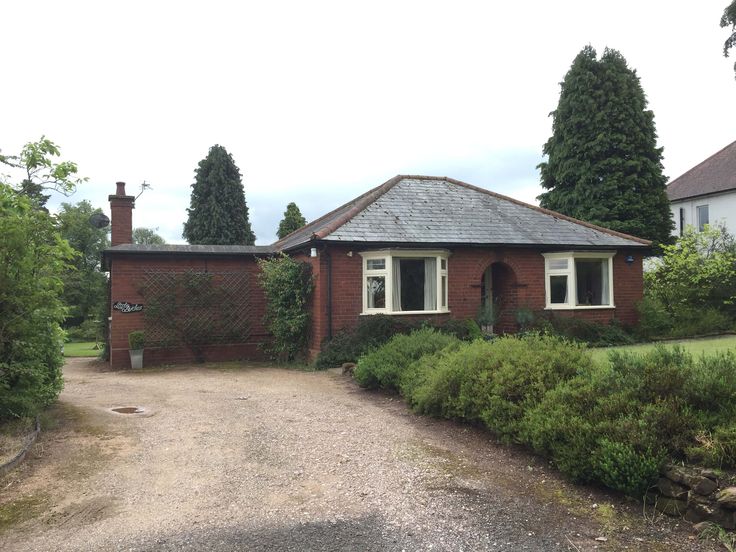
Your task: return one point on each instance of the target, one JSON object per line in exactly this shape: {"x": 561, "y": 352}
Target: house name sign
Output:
{"x": 124, "y": 306}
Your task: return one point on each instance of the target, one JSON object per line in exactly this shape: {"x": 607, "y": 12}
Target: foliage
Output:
{"x": 84, "y": 283}
{"x": 615, "y": 423}
{"x": 603, "y": 163}
{"x": 32, "y": 259}
{"x": 697, "y": 271}
{"x": 383, "y": 367}
{"x": 618, "y": 422}
{"x": 349, "y": 345}
{"x": 218, "y": 214}
{"x": 488, "y": 314}
{"x": 136, "y": 340}
{"x": 496, "y": 382}
{"x": 194, "y": 309}
{"x": 89, "y": 330}
{"x": 288, "y": 286}
{"x": 292, "y": 221}
{"x": 41, "y": 173}
{"x": 147, "y": 236}
{"x": 729, "y": 19}
{"x": 592, "y": 333}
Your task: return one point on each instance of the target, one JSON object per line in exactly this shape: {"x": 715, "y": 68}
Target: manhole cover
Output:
{"x": 128, "y": 410}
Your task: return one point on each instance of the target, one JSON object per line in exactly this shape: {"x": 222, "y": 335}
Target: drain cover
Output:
{"x": 128, "y": 410}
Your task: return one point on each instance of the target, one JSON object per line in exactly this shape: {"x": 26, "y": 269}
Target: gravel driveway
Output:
{"x": 260, "y": 458}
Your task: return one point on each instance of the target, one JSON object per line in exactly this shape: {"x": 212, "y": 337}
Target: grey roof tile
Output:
{"x": 715, "y": 174}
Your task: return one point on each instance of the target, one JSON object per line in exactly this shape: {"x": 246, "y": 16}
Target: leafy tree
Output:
{"x": 293, "y": 220}
{"x": 147, "y": 236}
{"x": 603, "y": 163}
{"x": 729, "y": 18}
{"x": 41, "y": 173}
{"x": 218, "y": 214}
{"x": 84, "y": 283}
{"x": 34, "y": 257}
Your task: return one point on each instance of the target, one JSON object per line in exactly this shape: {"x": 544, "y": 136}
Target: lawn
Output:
{"x": 693, "y": 346}
{"x": 83, "y": 349}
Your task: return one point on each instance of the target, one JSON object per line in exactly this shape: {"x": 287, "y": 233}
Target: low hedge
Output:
{"x": 385, "y": 366}
{"x": 375, "y": 330}
{"x": 614, "y": 423}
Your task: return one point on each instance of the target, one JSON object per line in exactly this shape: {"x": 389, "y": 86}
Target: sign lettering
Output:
{"x": 124, "y": 306}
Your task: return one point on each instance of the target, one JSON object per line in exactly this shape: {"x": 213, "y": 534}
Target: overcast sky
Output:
{"x": 319, "y": 101}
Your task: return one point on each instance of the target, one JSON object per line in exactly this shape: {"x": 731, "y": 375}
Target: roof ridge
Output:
{"x": 547, "y": 211}
{"x": 724, "y": 148}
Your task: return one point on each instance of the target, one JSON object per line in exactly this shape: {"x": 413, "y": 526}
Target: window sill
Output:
{"x": 579, "y": 307}
{"x": 399, "y": 313}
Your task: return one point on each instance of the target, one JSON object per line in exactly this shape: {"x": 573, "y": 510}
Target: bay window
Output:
{"x": 577, "y": 280}
{"x": 399, "y": 281}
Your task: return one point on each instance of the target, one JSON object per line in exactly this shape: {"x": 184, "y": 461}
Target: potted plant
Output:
{"x": 137, "y": 341}
{"x": 487, "y": 317}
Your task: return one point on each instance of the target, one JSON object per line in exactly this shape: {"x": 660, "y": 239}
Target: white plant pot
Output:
{"x": 136, "y": 359}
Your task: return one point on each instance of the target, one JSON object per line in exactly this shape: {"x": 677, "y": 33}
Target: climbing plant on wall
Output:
{"x": 196, "y": 309}
{"x": 288, "y": 287}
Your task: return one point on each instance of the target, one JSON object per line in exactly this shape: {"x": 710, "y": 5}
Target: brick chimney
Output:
{"x": 121, "y": 211}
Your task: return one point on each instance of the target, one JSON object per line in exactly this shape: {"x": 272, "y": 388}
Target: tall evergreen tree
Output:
{"x": 293, "y": 220}
{"x": 728, "y": 19}
{"x": 218, "y": 214}
{"x": 603, "y": 162}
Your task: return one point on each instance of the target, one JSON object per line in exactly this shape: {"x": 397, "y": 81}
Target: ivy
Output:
{"x": 288, "y": 287}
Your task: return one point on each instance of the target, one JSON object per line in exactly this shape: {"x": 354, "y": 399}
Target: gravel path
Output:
{"x": 259, "y": 458}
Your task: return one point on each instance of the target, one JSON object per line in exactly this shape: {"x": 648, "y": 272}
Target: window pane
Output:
{"x": 702, "y": 211}
{"x": 592, "y": 281}
{"x": 558, "y": 289}
{"x": 557, "y": 264}
{"x": 376, "y": 264}
{"x": 443, "y": 264}
{"x": 376, "y": 292}
{"x": 411, "y": 283}
{"x": 443, "y": 291}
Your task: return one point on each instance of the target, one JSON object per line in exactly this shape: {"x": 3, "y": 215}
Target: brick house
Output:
{"x": 416, "y": 246}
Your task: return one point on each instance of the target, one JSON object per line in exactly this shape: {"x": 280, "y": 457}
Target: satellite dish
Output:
{"x": 99, "y": 220}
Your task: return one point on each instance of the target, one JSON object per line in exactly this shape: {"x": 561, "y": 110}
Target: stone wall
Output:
{"x": 698, "y": 495}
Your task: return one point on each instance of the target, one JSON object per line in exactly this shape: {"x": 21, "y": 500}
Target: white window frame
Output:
{"x": 572, "y": 285}
{"x": 387, "y": 272}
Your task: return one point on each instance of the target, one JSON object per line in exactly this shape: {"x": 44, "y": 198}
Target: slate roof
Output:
{"x": 714, "y": 175}
{"x": 441, "y": 210}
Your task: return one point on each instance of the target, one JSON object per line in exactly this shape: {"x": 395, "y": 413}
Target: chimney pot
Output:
{"x": 120, "y": 188}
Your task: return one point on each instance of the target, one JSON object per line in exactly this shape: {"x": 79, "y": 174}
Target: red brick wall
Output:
{"x": 465, "y": 270}
{"x": 126, "y": 276}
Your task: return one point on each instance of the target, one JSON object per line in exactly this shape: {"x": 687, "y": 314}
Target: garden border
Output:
{"x": 18, "y": 458}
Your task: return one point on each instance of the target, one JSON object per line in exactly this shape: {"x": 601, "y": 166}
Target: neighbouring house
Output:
{"x": 417, "y": 247}
{"x": 706, "y": 194}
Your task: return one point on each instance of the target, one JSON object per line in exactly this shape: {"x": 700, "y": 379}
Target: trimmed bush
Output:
{"x": 594, "y": 334}
{"x": 375, "y": 330}
{"x": 495, "y": 382}
{"x": 384, "y": 367}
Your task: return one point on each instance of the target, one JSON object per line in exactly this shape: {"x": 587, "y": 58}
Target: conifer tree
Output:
{"x": 293, "y": 220}
{"x": 603, "y": 162}
{"x": 218, "y": 214}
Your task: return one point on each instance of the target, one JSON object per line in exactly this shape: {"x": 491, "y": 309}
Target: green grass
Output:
{"x": 692, "y": 346}
{"x": 84, "y": 349}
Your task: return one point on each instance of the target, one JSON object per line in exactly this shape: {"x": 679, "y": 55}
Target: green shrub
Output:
{"x": 594, "y": 334}
{"x": 691, "y": 321}
{"x": 383, "y": 367}
{"x": 375, "y": 330}
{"x": 654, "y": 320}
{"x": 89, "y": 330}
{"x": 495, "y": 382}
{"x": 136, "y": 340}
{"x": 619, "y": 466}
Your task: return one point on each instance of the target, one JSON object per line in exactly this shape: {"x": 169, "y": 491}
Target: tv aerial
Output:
{"x": 144, "y": 186}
